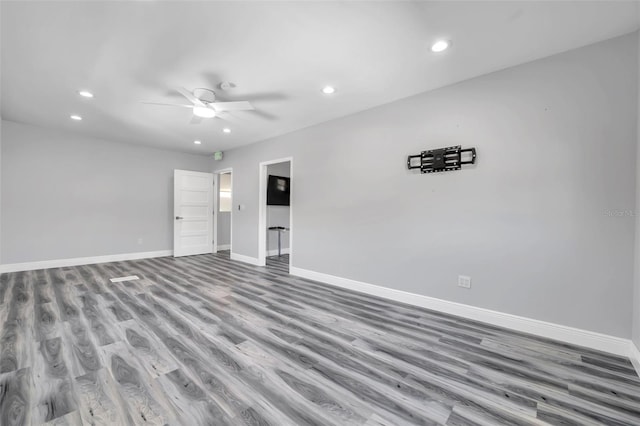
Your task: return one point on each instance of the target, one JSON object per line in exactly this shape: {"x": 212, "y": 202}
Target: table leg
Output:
{"x": 279, "y": 234}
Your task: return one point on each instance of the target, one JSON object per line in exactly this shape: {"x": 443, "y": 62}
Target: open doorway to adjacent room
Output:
{"x": 275, "y": 228}
{"x": 223, "y": 211}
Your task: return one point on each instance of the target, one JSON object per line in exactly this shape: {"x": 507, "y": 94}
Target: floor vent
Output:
{"x": 120, "y": 279}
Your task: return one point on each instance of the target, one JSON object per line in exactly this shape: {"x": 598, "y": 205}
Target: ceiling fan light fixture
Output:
{"x": 204, "y": 112}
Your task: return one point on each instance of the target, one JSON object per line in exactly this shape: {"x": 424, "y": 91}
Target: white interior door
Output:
{"x": 193, "y": 213}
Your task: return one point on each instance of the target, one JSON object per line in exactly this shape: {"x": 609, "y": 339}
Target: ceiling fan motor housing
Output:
{"x": 205, "y": 95}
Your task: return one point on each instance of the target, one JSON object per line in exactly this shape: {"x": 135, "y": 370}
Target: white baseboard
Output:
{"x": 246, "y": 259}
{"x": 59, "y": 263}
{"x": 275, "y": 252}
{"x": 634, "y": 356}
{"x": 576, "y": 336}
{"x": 224, "y": 247}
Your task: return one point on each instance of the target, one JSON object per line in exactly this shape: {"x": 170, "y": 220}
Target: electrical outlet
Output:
{"x": 140, "y": 240}
{"x": 464, "y": 281}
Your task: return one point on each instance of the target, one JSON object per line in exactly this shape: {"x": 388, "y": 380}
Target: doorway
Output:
{"x": 223, "y": 211}
{"x": 275, "y": 214}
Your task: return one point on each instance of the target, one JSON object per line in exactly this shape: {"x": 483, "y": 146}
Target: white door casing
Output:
{"x": 262, "y": 209}
{"x": 193, "y": 213}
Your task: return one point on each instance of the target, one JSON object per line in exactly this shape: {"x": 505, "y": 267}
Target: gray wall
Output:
{"x": 224, "y": 218}
{"x": 278, "y": 215}
{"x": 1, "y": 121}
{"x": 67, "y": 196}
{"x": 535, "y": 223}
{"x": 636, "y": 285}
{"x": 224, "y": 229}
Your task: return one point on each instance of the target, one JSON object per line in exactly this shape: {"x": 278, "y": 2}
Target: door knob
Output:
{"x": 179, "y": 217}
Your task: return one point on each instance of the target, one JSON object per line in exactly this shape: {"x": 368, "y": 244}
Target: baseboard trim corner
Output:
{"x": 634, "y": 356}
{"x": 246, "y": 259}
{"x": 60, "y": 263}
{"x": 224, "y": 247}
{"x": 576, "y": 336}
{"x": 275, "y": 252}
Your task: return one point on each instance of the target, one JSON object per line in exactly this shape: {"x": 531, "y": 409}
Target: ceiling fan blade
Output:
{"x": 226, "y": 116}
{"x": 173, "y": 105}
{"x": 187, "y": 94}
{"x": 264, "y": 114}
{"x": 195, "y": 120}
{"x": 232, "y": 106}
{"x": 251, "y": 97}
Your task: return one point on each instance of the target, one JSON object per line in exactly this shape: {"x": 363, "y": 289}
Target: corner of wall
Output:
{"x": 635, "y": 327}
{"x": 0, "y": 165}
{"x": 0, "y": 189}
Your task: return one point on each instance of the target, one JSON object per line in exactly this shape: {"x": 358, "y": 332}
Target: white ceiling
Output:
{"x": 279, "y": 54}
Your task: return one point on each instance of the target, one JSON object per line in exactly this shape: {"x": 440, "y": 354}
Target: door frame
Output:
{"x": 262, "y": 209}
{"x": 216, "y": 203}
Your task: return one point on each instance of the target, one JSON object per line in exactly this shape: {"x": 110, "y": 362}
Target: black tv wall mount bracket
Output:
{"x": 442, "y": 159}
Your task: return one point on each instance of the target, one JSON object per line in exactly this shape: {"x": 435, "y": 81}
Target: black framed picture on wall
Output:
{"x": 278, "y": 191}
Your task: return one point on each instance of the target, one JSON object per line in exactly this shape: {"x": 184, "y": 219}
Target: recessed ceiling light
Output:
{"x": 328, "y": 90}
{"x": 197, "y": 142}
{"x": 76, "y": 117}
{"x": 204, "y": 112}
{"x": 440, "y": 46}
{"x": 85, "y": 94}
{"x": 226, "y": 130}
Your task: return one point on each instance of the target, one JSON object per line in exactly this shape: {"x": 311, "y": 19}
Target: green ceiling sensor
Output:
{"x": 217, "y": 155}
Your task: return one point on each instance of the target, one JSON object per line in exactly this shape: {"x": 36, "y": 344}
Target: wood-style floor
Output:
{"x": 207, "y": 341}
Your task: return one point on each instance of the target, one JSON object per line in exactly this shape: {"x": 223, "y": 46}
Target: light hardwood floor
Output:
{"x": 207, "y": 341}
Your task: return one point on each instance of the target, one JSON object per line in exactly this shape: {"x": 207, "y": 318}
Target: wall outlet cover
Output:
{"x": 464, "y": 281}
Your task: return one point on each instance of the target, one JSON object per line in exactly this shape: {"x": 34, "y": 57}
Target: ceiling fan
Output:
{"x": 204, "y": 105}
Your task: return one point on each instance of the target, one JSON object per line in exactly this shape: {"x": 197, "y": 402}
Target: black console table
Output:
{"x": 280, "y": 230}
